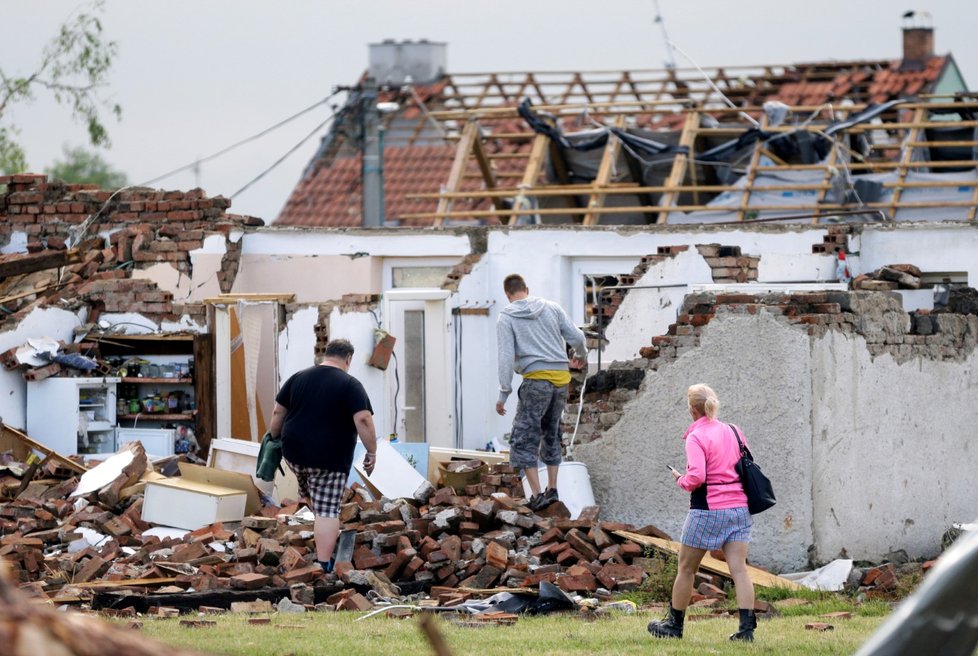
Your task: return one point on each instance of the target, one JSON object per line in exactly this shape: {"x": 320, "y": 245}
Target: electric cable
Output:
{"x": 281, "y": 159}
{"x": 244, "y": 141}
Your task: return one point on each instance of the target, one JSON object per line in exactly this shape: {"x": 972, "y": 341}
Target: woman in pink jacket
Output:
{"x": 718, "y": 516}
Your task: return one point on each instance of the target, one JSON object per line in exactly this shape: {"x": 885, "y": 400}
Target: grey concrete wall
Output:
{"x": 868, "y": 453}
{"x": 893, "y": 453}
{"x": 760, "y": 370}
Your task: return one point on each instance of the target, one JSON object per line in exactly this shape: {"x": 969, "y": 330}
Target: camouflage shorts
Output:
{"x": 536, "y": 428}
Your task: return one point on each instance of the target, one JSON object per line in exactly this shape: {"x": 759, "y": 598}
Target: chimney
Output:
{"x": 918, "y": 42}
{"x": 393, "y": 63}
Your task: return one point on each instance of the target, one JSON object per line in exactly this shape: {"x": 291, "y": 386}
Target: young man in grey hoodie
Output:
{"x": 531, "y": 333}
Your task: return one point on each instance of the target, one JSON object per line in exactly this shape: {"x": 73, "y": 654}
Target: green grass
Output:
{"x": 619, "y": 633}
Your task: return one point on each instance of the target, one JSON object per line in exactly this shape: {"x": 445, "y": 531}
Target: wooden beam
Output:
{"x": 17, "y": 264}
{"x": 470, "y": 133}
{"x": 226, "y": 299}
{"x": 603, "y": 177}
{"x": 485, "y": 167}
{"x": 37, "y": 446}
{"x": 678, "y": 173}
{"x": 711, "y": 564}
{"x": 532, "y": 171}
{"x": 905, "y": 158}
{"x": 755, "y": 158}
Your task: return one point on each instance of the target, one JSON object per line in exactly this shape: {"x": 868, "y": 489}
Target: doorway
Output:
{"x": 418, "y": 380}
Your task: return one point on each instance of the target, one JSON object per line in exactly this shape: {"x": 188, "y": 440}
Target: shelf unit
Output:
{"x": 161, "y": 349}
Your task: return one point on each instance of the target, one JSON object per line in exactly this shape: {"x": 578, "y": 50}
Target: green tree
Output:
{"x": 74, "y": 67}
{"x": 82, "y": 165}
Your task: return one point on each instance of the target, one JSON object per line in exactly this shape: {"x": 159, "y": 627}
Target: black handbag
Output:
{"x": 757, "y": 486}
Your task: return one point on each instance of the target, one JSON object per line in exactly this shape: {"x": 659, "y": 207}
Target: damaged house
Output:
{"x": 699, "y": 242}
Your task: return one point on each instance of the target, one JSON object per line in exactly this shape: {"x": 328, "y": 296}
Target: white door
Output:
{"x": 418, "y": 378}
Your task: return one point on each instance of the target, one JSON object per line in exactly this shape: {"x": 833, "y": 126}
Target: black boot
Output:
{"x": 671, "y": 627}
{"x": 748, "y": 622}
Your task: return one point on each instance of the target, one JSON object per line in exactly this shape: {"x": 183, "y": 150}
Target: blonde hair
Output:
{"x": 703, "y": 400}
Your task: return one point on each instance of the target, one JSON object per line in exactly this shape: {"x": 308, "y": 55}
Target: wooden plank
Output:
{"x": 755, "y": 158}
{"x": 37, "y": 446}
{"x": 905, "y": 158}
{"x": 17, "y": 264}
{"x": 532, "y": 171}
{"x": 826, "y": 180}
{"x": 457, "y": 173}
{"x": 678, "y": 173}
{"x": 603, "y": 177}
{"x": 225, "y": 299}
{"x": 488, "y": 174}
{"x": 205, "y": 390}
{"x": 757, "y": 576}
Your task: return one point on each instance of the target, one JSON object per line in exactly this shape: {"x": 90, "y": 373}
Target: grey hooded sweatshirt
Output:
{"x": 530, "y": 336}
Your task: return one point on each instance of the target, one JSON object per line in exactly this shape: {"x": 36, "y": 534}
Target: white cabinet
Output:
{"x": 73, "y": 415}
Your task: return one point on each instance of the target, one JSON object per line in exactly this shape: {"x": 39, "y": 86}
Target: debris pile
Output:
{"x": 887, "y": 278}
{"x": 73, "y": 544}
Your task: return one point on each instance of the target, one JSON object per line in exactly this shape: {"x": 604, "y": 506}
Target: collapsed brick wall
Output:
{"x": 612, "y": 298}
{"x": 877, "y": 317}
{"x": 145, "y": 227}
{"x": 460, "y": 270}
{"x": 835, "y": 239}
{"x": 728, "y": 264}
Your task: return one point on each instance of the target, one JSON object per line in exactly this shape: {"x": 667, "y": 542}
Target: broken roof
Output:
{"x": 423, "y": 136}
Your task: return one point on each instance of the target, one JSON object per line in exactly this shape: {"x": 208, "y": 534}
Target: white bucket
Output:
{"x": 573, "y": 486}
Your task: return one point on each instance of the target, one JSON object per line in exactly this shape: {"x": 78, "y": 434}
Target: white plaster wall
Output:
{"x": 312, "y": 278}
{"x": 933, "y": 247}
{"x": 358, "y": 327}
{"x": 168, "y": 278}
{"x": 45, "y": 322}
{"x": 373, "y": 243}
{"x": 478, "y": 385}
{"x": 646, "y": 313}
{"x": 297, "y": 343}
{"x": 760, "y": 370}
{"x": 893, "y": 452}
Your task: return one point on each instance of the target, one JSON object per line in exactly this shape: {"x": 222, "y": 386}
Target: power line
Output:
{"x": 281, "y": 159}
{"x": 197, "y": 162}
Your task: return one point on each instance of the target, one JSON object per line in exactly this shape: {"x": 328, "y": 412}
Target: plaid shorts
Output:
{"x": 711, "y": 529}
{"x": 322, "y": 487}
{"x": 536, "y": 428}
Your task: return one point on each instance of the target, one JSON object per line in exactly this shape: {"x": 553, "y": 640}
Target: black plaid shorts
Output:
{"x": 322, "y": 487}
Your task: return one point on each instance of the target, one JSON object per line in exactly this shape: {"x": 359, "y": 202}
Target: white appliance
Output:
{"x": 158, "y": 442}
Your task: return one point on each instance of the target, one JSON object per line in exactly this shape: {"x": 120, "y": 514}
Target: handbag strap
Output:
{"x": 744, "y": 451}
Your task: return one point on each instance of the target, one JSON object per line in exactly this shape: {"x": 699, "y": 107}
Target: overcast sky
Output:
{"x": 194, "y": 76}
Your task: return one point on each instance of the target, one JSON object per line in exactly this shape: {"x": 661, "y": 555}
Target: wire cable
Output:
{"x": 244, "y": 141}
{"x": 281, "y": 159}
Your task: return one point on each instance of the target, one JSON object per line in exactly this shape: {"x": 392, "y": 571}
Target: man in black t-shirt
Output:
{"x": 318, "y": 414}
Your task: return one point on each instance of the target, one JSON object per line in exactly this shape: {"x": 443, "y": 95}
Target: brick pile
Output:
{"x": 143, "y": 227}
{"x": 450, "y": 544}
{"x": 890, "y": 277}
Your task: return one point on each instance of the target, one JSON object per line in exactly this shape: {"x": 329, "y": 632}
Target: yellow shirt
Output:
{"x": 557, "y": 377}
